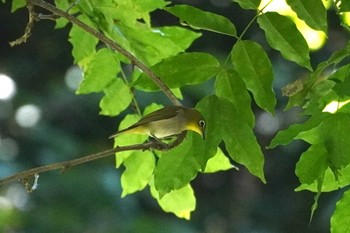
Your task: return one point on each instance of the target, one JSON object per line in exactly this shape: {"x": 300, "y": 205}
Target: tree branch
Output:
{"x": 25, "y": 176}
{"x": 111, "y": 44}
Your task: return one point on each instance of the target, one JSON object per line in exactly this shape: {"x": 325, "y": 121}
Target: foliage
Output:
{"x": 323, "y": 95}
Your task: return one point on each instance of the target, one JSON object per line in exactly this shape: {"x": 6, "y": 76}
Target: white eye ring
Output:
{"x": 201, "y": 123}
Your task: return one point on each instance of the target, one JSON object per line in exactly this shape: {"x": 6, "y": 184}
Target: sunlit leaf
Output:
{"x": 254, "y": 67}
{"x": 117, "y": 98}
{"x": 84, "y": 44}
{"x": 181, "y": 202}
{"x": 200, "y": 19}
{"x": 312, "y": 12}
{"x": 282, "y": 35}
{"x": 101, "y": 71}
{"x": 17, "y": 4}
{"x": 339, "y": 221}
{"x": 139, "y": 167}
{"x": 62, "y": 4}
{"x": 218, "y": 163}
{"x": 130, "y": 11}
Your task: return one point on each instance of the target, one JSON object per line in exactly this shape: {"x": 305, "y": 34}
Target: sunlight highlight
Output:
{"x": 7, "y": 87}
{"x": 315, "y": 39}
{"x": 345, "y": 17}
{"x": 73, "y": 77}
{"x": 334, "y": 106}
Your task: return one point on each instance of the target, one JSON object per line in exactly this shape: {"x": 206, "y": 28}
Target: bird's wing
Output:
{"x": 161, "y": 114}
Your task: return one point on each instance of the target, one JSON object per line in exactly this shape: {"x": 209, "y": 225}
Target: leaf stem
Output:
{"x": 248, "y": 26}
{"x": 132, "y": 90}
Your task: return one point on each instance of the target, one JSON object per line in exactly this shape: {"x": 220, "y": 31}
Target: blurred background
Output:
{"x": 42, "y": 121}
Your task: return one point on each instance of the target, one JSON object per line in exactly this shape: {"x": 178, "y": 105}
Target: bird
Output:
{"x": 167, "y": 122}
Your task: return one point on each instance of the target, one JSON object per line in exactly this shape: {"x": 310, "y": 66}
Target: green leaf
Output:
{"x": 312, "y": 164}
{"x": 312, "y": 12}
{"x": 199, "y": 19}
{"x": 344, "y": 6}
{"x": 336, "y": 130}
{"x": 282, "y": 35}
{"x": 248, "y": 4}
{"x": 340, "y": 223}
{"x": 181, "y": 202}
{"x": 284, "y": 137}
{"x": 139, "y": 167}
{"x": 176, "y": 168}
{"x": 17, "y": 4}
{"x": 219, "y": 162}
{"x": 316, "y": 197}
{"x": 299, "y": 98}
{"x": 180, "y": 70}
{"x": 240, "y": 141}
{"x": 213, "y": 135}
{"x": 84, "y": 44}
{"x": 229, "y": 85}
{"x": 101, "y": 71}
{"x": 330, "y": 183}
{"x": 63, "y": 5}
{"x": 117, "y": 98}
{"x": 342, "y": 89}
{"x": 129, "y": 11}
{"x": 254, "y": 67}
{"x": 153, "y": 45}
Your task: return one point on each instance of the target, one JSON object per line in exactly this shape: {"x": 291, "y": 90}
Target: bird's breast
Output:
{"x": 166, "y": 128}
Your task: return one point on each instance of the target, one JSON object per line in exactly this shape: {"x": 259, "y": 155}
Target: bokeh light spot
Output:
{"x": 28, "y": 115}
{"x": 267, "y": 124}
{"x": 73, "y": 77}
{"x": 17, "y": 196}
{"x": 7, "y": 87}
{"x": 8, "y": 149}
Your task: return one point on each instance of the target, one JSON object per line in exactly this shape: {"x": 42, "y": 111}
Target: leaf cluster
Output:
{"x": 246, "y": 76}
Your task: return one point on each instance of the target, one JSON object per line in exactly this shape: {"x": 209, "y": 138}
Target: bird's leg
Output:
{"x": 159, "y": 144}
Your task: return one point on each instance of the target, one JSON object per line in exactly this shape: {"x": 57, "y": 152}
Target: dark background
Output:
{"x": 87, "y": 197}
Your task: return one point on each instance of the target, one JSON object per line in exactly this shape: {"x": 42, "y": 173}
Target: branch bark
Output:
{"x": 110, "y": 43}
{"x": 63, "y": 166}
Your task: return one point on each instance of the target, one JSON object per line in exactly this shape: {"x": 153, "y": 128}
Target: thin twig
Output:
{"x": 32, "y": 17}
{"x": 63, "y": 166}
{"x": 110, "y": 43}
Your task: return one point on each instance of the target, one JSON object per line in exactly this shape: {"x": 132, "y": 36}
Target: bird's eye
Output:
{"x": 201, "y": 123}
